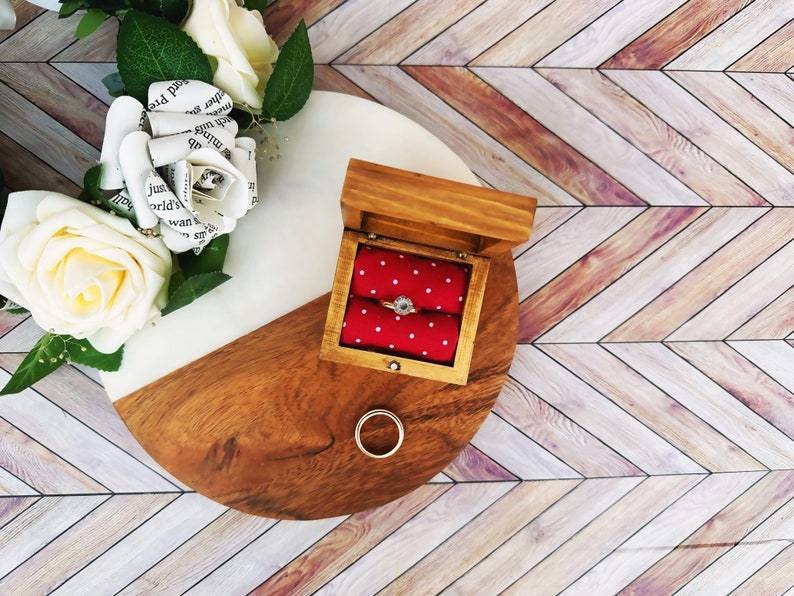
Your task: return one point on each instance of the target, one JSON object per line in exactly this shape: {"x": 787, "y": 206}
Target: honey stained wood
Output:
{"x": 263, "y": 425}
{"x": 429, "y": 210}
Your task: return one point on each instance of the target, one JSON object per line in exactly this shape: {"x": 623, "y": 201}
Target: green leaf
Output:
{"x": 259, "y": 5}
{"x": 68, "y": 8}
{"x": 114, "y": 84}
{"x": 80, "y": 351}
{"x": 150, "y": 49}
{"x": 194, "y": 287}
{"x": 290, "y": 84}
{"x": 175, "y": 10}
{"x": 208, "y": 260}
{"x": 177, "y": 279}
{"x": 91, "y": 21}
{"x": 50, "y": 352}
{"x": 91, "y": 180}
{"x": 12, "y": 307}
{"x": 46, "y": 356}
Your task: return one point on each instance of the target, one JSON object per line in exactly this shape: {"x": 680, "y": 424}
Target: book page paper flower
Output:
{"x": 178, "y": 165}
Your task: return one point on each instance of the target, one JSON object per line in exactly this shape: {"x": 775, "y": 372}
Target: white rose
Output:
{"x": 79, "y": 270}
{"x": 237, "y": 39}
{"x": 8, "y": 18}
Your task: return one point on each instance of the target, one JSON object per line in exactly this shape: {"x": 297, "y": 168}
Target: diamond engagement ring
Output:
{"x": 401, "y": 305}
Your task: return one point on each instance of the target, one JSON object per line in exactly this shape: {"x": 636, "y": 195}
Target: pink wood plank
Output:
{"x": 601, "y": 267}
{"x": 773, "y": 357}
{"x": 415, "y": 26}
{"x": 40, "y": 468}
{"x": 480, "y": 537}
{"x": 569, "y": 441}
{"x": 564, "y": 390}
{"x": 495, "y": 112}
{"x": 282, "y": 16}
{"x": 545, "y": 31}
{"x": 409, "y": 544}
{"x": 604, "y": 37}
{"x": 709, "y": 280}
{"x": 486, "y": 156}
{"x": 475, "y": 32}
{"x": 741, "y": 302}
{"x": 472, "y": 465}
{"x": 349, "y": 23}
{"x": 212, "y": 545}
{"x": 648, "y": 404}
{"x": 61, "y": 98}
{"x": 41, "y": 522}
{"x": 587, "y": 134}
{"x": 599, "y": 538}
{"x": 91, "y": 536}
{"x": 547, "y": 220}
{"x": 689, "y": 116}
{"x": 742, "y": 111}
{"x": 502, "y": 441}
{"x": 737, "y": 36}
{"x": 774, "y": 54}
{"x": 774, "y": 90}
{"x": 659, "y": 537}
{"x": 742, "y": 379}
{"x": 545, "y": 534}
{"x": 571, "y": 241}
{"x": 772, "y": 578}
{"x": 710, "y": 402}
{"x": 675, "y": 34}
{"x": 776, "y": 321}
{"x": 653, "y": 275}
{"x": 326, "y": 78}
{"x": 649, "y": 133}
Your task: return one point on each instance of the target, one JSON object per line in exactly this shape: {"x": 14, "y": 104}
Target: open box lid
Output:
{"x": 434, "y": 211}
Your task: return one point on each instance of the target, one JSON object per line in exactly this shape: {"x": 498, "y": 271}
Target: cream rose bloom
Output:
{"x": 237, "y": 39}
{"x": 79, "y": 270}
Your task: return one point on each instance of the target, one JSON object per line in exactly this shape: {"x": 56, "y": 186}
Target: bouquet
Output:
{"x": 150, "y": 231}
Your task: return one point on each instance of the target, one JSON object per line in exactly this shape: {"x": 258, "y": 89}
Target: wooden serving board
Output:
{"x": 264, "y": 426}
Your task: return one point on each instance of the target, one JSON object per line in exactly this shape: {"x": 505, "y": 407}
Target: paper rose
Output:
{"x": 237, "y": 39}
{"x": 79, "y": 270}
{"x": 180, "y": 168}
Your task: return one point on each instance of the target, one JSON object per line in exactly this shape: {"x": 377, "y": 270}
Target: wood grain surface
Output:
{"x": 263, "y": 425}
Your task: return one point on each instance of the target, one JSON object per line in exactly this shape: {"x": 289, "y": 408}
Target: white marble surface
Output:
{"x": 283, "y": 253}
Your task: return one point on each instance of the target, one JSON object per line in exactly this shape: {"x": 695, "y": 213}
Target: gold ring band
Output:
{"x": 390, "y": 416}
{"x": 402, "y": 305}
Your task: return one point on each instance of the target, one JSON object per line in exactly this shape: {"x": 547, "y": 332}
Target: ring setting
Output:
{"x": 402, "y": 305}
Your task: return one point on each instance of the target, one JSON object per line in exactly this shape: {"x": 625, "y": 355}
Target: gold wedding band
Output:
{"x": 402, "y": 305}
{"x": 390, "y": 416}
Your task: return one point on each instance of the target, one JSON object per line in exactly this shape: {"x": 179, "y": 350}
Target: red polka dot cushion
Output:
{"x": 436, "y": 288}
{"x": 426, "y": 335}
{"x": 431, "y": 284}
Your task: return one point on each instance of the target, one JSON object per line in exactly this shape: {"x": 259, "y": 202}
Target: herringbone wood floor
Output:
{"x": 644, "y": 443}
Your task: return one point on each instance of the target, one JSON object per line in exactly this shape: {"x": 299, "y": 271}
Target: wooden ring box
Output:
{"x": 429, "y": 217}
